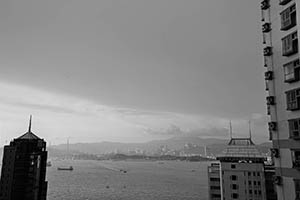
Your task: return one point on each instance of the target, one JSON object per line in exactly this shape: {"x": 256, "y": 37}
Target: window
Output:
{"x": 290, "y": 44}
{"x": 215, "y": 179}
{"x": 293, "y": 99}
{"x": 294, "y": 128}
{"x": 234, "y": 195}
{"x": 258, "y": 173}
{"x": 292, "y": 71}
{"x": 249, "y": 182}
{"x": 250, "y": 191}
{"x": 254, "y": 182}
{"x": 234, "y": 186}
{"x": 233, "y": 177}
{"x": 296, "y": 159}
{"x": 215, "y": 196}
{"x": 215, "y": 187}
{"x": 233, "y": 166}
{"x": 249, "y": 173}
{"x": 288, "y": 18}
{"x": 258, "y": 183}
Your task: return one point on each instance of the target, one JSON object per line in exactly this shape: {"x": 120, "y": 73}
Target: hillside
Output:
{"x": 214, "y": 146}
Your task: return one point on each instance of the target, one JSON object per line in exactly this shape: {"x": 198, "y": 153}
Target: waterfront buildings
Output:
{"x": 241, "y": 173}
{"x": 24, "y": 169}
{"x": 280, "y": 27}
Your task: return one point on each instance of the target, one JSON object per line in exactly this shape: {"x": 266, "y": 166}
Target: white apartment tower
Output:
{"x": 280, "y": 29}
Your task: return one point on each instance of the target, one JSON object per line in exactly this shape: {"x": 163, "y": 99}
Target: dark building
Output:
{"x": 269, "y": 182}
{"x": 24, "y": 169}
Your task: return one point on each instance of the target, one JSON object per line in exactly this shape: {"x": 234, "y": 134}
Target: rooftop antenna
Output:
{"x": 250, "y": 134}
{"x": 29, "y": 128}
{"x": 230, "y": 129}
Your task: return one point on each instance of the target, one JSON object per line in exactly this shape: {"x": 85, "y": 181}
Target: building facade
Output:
{"x": 242, "y": 173}
{"x": 280, "y": 27}
{"x": 214, "y": 184}
{"x": 24, "y": 169}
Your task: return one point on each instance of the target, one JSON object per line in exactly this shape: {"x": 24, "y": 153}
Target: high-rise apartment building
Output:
{"x": 280, "y": 27}
{"x": 214, "y": 184}
{"x": 24, "y": 169}
{"x": 241, "y": 173}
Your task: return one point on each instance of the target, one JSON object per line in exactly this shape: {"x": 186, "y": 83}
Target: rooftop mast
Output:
{"x": 250, "y": 134}
{"x": 29, "y": 128}
{"x": 230, "y": 129}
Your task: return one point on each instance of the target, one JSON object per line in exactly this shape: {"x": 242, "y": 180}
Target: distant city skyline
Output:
{"x": 131, "y": 71}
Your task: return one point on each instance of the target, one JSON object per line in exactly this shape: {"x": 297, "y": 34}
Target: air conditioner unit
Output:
{"x": 275, "y": 153}
{"x": 268, "y": 75}
{"x": 270, "y": 100}
{"x": 270, "y": 135}
{"x": 268, "y": 51}
{"x": 277, "y": 180}
{"x": 265, "y": 4}
{"x": 283, "y": 2}
{"x": 266, "y": 27}
{"x": 268, "y": 110}
{"x": 272, "y": 126}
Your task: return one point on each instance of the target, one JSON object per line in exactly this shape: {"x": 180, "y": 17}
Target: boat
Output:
{"x": 66, "y": 168}
{"x": 70, "y": 168}
{"x": 49, "y": 164}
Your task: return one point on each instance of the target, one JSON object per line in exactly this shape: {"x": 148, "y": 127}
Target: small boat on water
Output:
{"x": 49, "y": 164}
{"x": 66, "y": 168}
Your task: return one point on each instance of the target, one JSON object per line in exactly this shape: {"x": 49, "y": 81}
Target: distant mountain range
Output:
{"x": 214, "y": 146}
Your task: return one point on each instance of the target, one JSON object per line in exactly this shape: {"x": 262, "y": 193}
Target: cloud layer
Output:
{"x": 58, "y": 117}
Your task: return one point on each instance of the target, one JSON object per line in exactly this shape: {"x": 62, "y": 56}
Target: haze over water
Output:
{"x": 148, "y": 180}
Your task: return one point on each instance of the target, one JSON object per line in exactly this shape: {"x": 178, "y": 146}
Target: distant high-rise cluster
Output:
{"x": 282, "y": 75}
{"x": 24, "y": 169}
{"x": 241, "y": 173}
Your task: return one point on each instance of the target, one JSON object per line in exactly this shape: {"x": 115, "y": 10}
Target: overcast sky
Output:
{"x": 130, "y": 70}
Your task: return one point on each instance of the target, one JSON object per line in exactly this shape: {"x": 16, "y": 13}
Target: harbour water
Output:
{"x": 128, "y": 180}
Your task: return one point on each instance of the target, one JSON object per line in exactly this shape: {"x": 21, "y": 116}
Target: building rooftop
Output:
{"x": 241, "y": 148}
{"x": 29, "y": 135}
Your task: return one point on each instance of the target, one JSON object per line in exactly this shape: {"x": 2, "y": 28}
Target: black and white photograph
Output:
{"x": 149, "y": 100}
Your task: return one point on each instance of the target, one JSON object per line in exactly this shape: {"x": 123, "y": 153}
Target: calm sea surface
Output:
{"x": 144, "y": 180}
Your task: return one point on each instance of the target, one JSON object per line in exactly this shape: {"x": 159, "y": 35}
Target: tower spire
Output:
{"x": 29, "y": 128}
{"x": 250, "y": 133}
{"x": 230, "y": 129}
